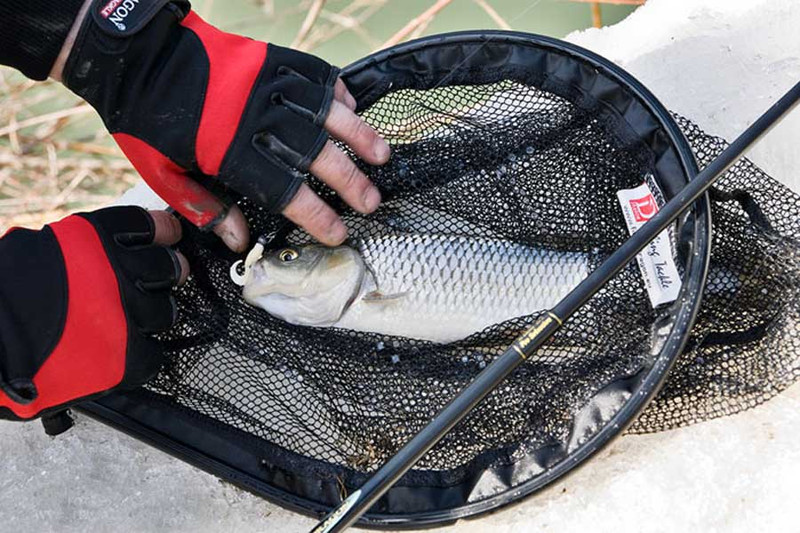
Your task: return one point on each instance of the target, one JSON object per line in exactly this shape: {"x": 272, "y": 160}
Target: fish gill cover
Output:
{"x": 511, "y": 161}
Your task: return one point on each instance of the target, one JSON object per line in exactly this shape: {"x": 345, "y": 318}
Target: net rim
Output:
{"x": 681, "y": 316}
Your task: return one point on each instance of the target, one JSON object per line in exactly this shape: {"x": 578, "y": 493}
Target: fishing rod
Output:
{"x": 351, "y": 509}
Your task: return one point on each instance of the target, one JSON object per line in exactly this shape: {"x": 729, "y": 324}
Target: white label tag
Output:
{"x": 656, "y": 261}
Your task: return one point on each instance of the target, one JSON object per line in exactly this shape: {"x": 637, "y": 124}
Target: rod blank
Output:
{"x": 543, "y": 328}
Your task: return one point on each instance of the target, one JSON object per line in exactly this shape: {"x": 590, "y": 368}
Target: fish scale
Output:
{"x": 443, "y": 288}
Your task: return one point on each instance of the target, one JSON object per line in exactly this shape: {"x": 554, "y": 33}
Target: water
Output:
{"x": 555, "y": 18}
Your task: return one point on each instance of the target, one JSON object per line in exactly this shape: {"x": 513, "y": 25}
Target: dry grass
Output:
{"x": 56, "y": 158}
{"x": 49, "y": 164}
{"x": 47, "y": 168}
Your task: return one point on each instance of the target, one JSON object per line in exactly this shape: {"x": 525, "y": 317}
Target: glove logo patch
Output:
{"x": 117, "y": 11}
{"x": 123, "y": 18}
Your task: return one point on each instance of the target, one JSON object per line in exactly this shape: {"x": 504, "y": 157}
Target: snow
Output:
{"x": 718, "y": 62}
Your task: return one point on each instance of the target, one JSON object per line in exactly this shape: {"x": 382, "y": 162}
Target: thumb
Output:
{"x": 188, "y": 197}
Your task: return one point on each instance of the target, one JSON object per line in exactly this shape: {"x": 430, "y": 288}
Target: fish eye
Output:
{"x": 288, "y": 255}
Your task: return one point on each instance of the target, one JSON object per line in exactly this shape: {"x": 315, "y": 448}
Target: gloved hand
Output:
{"x": 77, "y": 300}
{"x": 192, "y": 106}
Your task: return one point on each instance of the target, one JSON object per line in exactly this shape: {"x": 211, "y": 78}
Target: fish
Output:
{"x": 438, "y": 288}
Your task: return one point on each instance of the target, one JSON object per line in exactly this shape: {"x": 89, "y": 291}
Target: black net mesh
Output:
{"x": 487, "y": 169}
{"x": 745, "y": 346}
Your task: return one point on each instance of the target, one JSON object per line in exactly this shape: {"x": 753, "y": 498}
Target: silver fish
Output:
{"x": 431, "y": 287}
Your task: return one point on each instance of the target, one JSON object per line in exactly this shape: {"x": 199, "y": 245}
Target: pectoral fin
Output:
{"x": 379, "y": 297}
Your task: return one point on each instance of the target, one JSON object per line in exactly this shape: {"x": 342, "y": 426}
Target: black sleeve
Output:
{"x": 32, "y": 33}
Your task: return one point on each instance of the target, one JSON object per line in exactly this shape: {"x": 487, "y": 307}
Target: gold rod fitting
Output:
{"x": 554, "y": 317}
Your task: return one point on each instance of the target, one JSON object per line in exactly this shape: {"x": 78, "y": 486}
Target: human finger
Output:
{"x": 233, "y": 230}
{"x": 310, "y": 212}
{"x": 351, "y": 129}
{"x": 337, "y": 170}
{"x": 168, "y": 229}
{"x": 342, "y": 94}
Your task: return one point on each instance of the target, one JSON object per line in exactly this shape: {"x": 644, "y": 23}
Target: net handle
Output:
{"x": 351, "y": 509}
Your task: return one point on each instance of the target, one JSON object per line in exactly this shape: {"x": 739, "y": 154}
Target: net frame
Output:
{"x": 553, "y": 65}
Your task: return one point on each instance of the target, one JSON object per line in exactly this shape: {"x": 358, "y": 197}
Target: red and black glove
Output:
{"x": 77, "y": 302}
{"x": 191, "y": 105}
